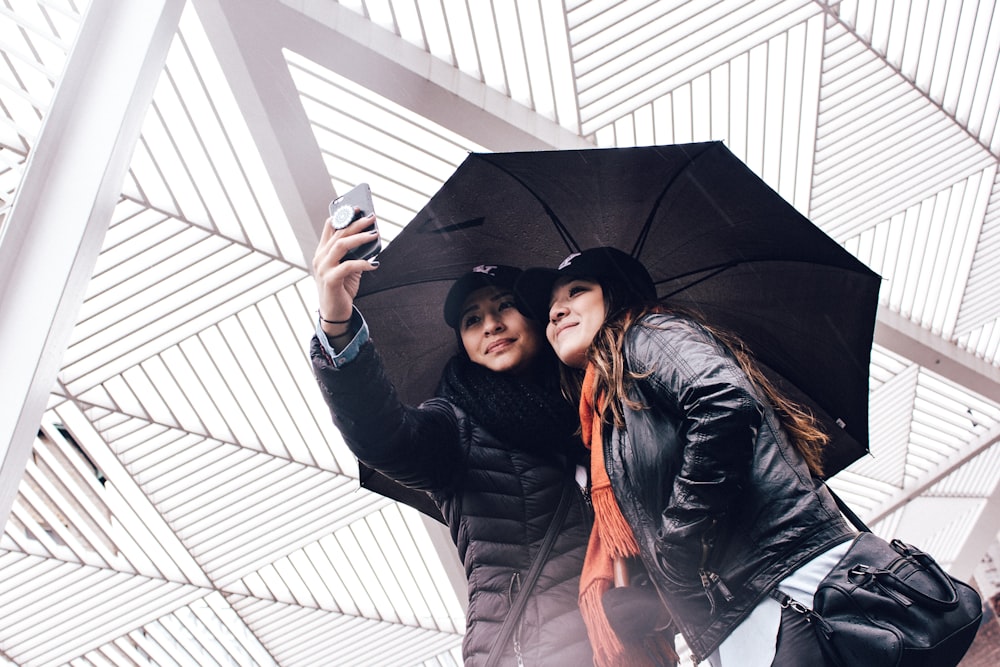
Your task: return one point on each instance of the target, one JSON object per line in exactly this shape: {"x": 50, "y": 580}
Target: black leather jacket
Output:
{"x": 497, "y": 499}
{"x": 722, "y": 505}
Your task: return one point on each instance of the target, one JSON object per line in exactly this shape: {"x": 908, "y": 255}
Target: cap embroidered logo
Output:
{"x": 566, "y": 262}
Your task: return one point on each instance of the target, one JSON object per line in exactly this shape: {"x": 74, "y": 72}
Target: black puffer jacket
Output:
{"x": 722, "y": 505}
{"x": 497, "y": 498}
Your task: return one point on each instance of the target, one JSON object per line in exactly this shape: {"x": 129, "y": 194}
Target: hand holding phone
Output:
{"x": 354, "y": 205}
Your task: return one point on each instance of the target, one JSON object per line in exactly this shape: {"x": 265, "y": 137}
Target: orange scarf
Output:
{"x": 610, "y": 538}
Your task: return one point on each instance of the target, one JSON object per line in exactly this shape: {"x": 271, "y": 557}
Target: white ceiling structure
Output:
{"x": 172, "y": 490}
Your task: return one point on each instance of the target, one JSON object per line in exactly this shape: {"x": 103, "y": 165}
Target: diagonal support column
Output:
{"x": 249, "y": 46}
{"x": 895, "y": 332}
{"x": 56, "y": 226}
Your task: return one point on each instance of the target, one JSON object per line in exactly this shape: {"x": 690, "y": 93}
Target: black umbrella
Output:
{"x": 715, "y": 238}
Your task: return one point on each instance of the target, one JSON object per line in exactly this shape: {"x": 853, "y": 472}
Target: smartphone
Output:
{"x": 351, "y": 206}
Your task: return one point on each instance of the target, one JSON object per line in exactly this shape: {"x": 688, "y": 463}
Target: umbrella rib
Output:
{"x": 560, "y": 227}
{"x": 692, "y": 159}
{"x": 715, "y": 270}
{"x": 392, "y": 286}
{"x": 712, "y": 271}
{"x": 640, "y": 240}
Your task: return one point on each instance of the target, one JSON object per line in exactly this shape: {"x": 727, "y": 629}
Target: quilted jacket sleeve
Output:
{"x": 421, "y": 447}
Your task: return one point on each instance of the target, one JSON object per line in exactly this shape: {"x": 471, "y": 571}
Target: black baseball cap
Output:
{"x": 484, "y": 275}
{"x": 605, "y": 265}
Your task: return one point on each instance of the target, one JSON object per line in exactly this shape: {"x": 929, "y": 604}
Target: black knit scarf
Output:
{"x": 527, "y": 413}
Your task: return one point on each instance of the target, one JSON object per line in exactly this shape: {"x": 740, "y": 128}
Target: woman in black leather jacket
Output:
{"x": 710, "y": 468}
{"x": 495, "y": 449}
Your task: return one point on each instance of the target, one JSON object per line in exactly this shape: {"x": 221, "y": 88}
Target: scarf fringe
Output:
{"x": 610, "y": 538}
{"x": 616, "y": 535}
{"x": 608, "y": 649}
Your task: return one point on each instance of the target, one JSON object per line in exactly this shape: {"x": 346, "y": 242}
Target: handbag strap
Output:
{"x": 514, "y": 614}
{"x": 847, "y": 511}
{"x": 783, "y": 598}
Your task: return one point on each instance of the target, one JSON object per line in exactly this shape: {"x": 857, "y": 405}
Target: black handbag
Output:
{"x": 889, "y": 603}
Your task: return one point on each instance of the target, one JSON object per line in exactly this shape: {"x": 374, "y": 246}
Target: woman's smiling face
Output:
{"x": 576, "y": 314}
{"x": 495, "y": 334}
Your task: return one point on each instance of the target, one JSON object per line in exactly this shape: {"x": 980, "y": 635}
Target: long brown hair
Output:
{"x": 611, "y": 398}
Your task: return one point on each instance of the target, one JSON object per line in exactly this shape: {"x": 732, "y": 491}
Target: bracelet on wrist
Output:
{"x": 326, "y": 321}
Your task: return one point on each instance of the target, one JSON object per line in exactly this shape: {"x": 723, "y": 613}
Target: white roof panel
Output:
{"x": 187, "y": 499}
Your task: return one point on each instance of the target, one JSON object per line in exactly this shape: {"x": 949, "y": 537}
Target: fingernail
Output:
{"x": 373, "y": 231}
{"x": 373, "y": 262}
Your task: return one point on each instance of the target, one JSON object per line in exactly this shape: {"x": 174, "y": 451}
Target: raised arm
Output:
{"x": 337, "y": 281}
{"x": 417, "y": 446}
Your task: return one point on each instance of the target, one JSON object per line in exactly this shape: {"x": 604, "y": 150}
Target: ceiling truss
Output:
{"x": 174, "y": 491}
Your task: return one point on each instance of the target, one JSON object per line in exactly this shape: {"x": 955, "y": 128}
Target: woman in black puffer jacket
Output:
{"x": 495, "y": 449}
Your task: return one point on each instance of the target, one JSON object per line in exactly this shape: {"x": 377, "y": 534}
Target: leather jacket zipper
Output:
{"x": 711, "y": 582}
{"x": 714, "y": 586}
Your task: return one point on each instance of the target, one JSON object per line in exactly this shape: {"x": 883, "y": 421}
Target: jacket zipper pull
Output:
{"x": 713, "y": 584}
{"x": 515, "y": 585}
{"x": 706, "y": 584}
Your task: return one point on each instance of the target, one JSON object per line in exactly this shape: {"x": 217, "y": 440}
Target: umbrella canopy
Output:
{"x": 716, "y": 240}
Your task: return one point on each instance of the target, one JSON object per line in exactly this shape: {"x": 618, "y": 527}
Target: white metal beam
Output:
{"x": 986, "y": 525}
{"x": 984, "y": 532}
{"x": 411, "y": 77}
{"x": 139, "y": 516}
{"x": 60, "y": 213}
{"x": 248, "y": 45}
{"x": 933, "y": 476}
{"x": 930, "y": 351}
{"x": 908, "y": 339}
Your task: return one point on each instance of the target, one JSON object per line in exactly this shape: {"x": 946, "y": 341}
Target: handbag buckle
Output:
{"x": 859, "y": 574}
{"x": 862, "y": 574}
{"x": 797, "y": 606}
{"x": 811, "y": 616}
{"x": 788, "y": 602}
